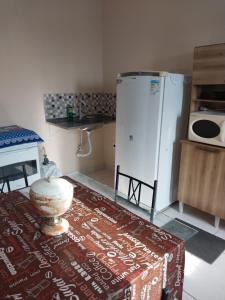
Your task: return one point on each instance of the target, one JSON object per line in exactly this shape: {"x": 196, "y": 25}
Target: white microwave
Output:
{"x": 207, "y": 127}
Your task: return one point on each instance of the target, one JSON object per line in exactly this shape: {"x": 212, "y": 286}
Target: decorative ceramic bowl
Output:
{"x": 52, "y": 197}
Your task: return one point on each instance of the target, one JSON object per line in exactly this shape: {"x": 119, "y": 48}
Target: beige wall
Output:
{"x": 72, "y": 45}
{"x": 157, "y": 35}
{"x": 109, "y": 142}
{"x": 50, "y": 46}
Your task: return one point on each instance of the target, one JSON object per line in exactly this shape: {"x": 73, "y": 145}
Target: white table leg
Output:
{"x": 181, "y": 207}
{"x": 217, "y": 222}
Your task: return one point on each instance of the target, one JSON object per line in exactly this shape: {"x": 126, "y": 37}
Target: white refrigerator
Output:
{"x": 151, "y": 118}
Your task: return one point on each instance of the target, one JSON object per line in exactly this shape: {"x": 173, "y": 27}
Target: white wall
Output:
{"x": 50, "y": 46}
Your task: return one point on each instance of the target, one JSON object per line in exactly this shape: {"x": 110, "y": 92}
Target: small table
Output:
{"x": 108, "y": 253}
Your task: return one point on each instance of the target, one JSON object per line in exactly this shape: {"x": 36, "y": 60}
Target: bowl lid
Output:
{"x": 51, "y": 187}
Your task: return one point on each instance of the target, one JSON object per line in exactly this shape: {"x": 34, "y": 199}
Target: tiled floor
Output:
{"x": 202, "y": 281}
{"x": 104, "y": 176}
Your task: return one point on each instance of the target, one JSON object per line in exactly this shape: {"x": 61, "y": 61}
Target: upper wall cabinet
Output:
{"x": 209, "y": 65}
{"x": 208, "y": 78}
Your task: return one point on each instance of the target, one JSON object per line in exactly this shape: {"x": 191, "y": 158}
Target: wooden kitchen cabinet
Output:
{"x": 209, "y": 64}
{"x": 208, "y": 78}
{"x": 202, "y": 166}
{"x": 202, "y": 177}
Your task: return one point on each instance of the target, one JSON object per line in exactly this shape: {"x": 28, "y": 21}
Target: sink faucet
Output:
{"x": 81, "y": 114}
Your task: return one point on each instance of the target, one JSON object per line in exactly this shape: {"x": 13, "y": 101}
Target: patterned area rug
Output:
{"x": 200, "y": 243}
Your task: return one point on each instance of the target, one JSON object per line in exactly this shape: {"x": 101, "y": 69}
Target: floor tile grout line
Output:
{"x": 189, "y": 294}
{"x": 217, "y": 231}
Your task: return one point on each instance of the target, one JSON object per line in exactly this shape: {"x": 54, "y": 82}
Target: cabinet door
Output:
{"x": 209, "y": 64}
{"x": 202, "y": 178}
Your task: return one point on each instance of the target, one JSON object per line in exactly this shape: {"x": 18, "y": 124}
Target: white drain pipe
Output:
{"x": 79, "y": 154}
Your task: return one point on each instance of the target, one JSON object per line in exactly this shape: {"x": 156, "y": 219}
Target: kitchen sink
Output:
{"x": 87, "y": 122}
{"x": 92, "y": 118}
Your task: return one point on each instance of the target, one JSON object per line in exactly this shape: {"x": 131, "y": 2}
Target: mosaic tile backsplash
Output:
{"x": 91, "y": 103}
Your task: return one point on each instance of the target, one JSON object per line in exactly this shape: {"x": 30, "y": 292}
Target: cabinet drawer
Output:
{"x": 202, "y": 178}
{"x": 11, "y": 157}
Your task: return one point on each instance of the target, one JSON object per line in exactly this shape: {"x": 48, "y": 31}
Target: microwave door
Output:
{"x": 206, "y": 129}
{"x": 222, "y": 132}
